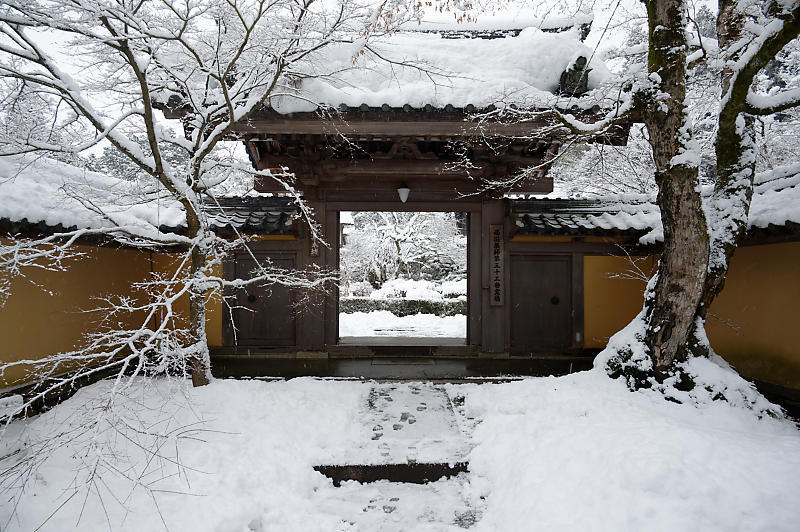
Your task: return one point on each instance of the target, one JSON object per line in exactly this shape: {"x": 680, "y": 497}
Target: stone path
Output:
{"x": 410, "y": 422}
{"x": 407, "y": 423}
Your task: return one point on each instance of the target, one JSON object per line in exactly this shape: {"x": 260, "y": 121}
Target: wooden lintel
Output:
{"x": 389, "y": 128}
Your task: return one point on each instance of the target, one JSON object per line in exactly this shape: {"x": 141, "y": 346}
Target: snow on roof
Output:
{"x": 41, "y": 190}
{"x": 504, "y": 20}
{"x": 776, "y": 202}
{"x": 418, "y": 69}
{"x": 38, "y": 190}
{"x": 776, "y": 197}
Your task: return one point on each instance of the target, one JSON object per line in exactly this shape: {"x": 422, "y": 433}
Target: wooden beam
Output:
{"x": 390, "y": 128}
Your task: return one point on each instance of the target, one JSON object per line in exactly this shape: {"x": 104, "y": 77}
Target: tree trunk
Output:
{"x": 682, "y": 269}
{"x": 199, "y": 357}
{"x": 197, "y": 353}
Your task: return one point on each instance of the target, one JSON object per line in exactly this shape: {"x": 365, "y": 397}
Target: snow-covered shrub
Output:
{"x": 407, "y": 288}
{"x": 359, "y": 289}
{"x": 403, "y": 307}
{"x": 454, "y": 289}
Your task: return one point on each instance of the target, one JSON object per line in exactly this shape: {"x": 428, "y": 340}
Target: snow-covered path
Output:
{"x": 409, "y": 423}
{"x": 398, "y": 507}
{"x": 382, "y": 323}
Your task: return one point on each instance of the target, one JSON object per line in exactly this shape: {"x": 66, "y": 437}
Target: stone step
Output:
{"x": 410, "y": 473}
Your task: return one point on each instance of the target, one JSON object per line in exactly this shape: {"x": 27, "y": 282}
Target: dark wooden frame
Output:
{"x": 474, "y": 236}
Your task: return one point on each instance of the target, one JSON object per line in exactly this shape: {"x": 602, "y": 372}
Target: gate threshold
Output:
{"x": 395, "y": 367}
{"x": 407, "y": 341}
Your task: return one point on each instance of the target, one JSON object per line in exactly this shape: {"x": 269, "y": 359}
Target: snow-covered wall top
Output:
{"x": 770, "y": 206}
{"x": 421, "y": 69}
{"x": 776, "y": 201}
{"x": 38, "y": 189}
{"x": 507, "y": 19}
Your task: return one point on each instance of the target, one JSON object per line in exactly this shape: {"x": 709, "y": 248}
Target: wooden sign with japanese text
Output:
{"x": 496, "y": 273}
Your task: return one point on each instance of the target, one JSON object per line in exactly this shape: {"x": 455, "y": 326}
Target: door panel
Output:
{"x": 264, "y": 315}
{"x": 541, "y": 303}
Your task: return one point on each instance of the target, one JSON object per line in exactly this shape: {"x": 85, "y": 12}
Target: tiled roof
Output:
{"x": 263, "y": 215}
{"x": 775, "y": 210}
{"x": 584, "y": 217}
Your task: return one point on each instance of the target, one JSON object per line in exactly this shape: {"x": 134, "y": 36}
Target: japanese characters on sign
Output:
{"x": 496, "y": 284}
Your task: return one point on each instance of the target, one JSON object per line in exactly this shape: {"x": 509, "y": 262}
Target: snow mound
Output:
{"x": 580, "y": 452}
{"x": 697, "y": 381}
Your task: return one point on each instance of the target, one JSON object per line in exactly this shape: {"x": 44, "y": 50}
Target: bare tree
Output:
{"x": 215, "y": 62}
{"x": 77, "y": 75}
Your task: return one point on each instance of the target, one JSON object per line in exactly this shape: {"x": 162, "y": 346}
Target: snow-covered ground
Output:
{"x": 385, "y": 324}
{"x": 578, "y": 452}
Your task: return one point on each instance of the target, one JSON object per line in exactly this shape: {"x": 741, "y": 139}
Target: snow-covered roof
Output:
{"x": 38, "y": 190}
{"x": 53, "y": 196}
{"x": 623, "y": 214}
{"x": 776, "y": 204}
{"x": 425, "y": 68}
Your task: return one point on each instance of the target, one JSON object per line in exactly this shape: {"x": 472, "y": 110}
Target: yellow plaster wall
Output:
{"x": 610, "y": 302}
{"x": 42, "y": 316}
{"x": 751, "y": 323}
{"x": 762, "y": 299}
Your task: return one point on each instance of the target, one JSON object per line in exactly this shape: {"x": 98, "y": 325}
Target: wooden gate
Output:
{"x": 264, "y": 315}
{"x": 540, "y": 303}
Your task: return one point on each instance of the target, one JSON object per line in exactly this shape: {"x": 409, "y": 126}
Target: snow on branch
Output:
{"x": 761, "y": 104}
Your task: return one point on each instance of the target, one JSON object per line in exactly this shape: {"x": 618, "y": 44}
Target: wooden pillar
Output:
{"x": 331, "y": 310}
{"x": 311, "y": 314}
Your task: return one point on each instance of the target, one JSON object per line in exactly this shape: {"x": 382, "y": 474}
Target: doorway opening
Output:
{"x": 404, "y": 278}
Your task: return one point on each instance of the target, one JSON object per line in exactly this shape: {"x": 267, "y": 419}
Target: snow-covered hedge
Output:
{"x": 403, "y": 306}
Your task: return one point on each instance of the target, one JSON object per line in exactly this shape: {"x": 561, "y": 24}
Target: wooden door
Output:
{"x": 540, "y": 303}
{"x": 264, "y": 315}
